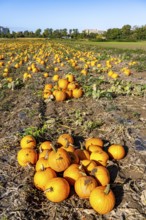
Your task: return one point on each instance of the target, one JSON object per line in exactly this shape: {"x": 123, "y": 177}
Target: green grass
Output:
{"x": 140, "y": 45}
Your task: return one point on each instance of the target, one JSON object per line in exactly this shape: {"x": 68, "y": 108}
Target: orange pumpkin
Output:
{"x": 44, "y": 154}
{"x": 59, "y": 159}
{"x": 101, "y": 157}
{"x": 77, "y": 93}
{"x": 41, "y": 164}
{"x": 116, "y": 152}
{"x": 42, "y": 177}
{"x": 46, "y": 145}
{"x": 65, "y": 140}
{"x": 101, "y": 174}
{"x": 60, "y": 96}
{"x": 62, "y": 83}
{"x": 84, "y": 186}
{"x": 88, "y": 165}
{"x": 93, "y": 148}
{"x": 102, "y": 199}
{"x": 26, "y": 156}
{"x": 70, "y": 77}
{"x": 28, "y": 141}
{"x": 73, "y": 172}
{"x": 57, "y": 189}
{"x": 93, "y": 141}
{"x": 69, "y": 148}
{"x": 82, "y": 154}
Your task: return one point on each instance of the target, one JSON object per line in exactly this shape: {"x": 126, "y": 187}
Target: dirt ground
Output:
{"x": 121, "y": 119}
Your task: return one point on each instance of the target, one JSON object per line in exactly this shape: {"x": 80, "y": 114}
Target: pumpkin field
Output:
{"x": 72, "y": 131}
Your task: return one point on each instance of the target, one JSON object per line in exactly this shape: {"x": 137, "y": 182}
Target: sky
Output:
{"x": 21, "y": 15}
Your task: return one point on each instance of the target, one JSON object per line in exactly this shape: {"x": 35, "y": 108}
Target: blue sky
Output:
{"x": 82, "y": 14}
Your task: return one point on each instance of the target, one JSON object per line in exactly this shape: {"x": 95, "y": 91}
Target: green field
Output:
{"x": 120, "y": 45}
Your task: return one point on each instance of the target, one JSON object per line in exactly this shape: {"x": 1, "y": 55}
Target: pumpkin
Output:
{"x": 62, "y": 83}
{"x": 84, "y": 186}
{"x": 65, "y": 140}
{"x": 41, "y": 164}
{"x": 101, "y": 174}
{"x": 57, "y": 189}
{"x": 101, "y": 157}
{"x": 70, "y": 77}
{"x": 93, "y": 141}
{"x": 93, "y": 148}
{"x": 102, "y": 199}
{"x": 48, "y": 87}
{"x": 116, "y": 152}
{"x": 28, "y": 141}
{"x": 73, "y": 172}
{"x": 42, "y": 177}
{"x": 88, "y": 165}
{"x": 71, "y": 86}
{"x": 60, "y": 95}
{"x": 27, "y": 156}
{"x": 46, "y": 145}
{"x": 44, "y": 153}
{"x": 69, "y": 148}
{"x": 82, "y": 154}
{"x": 77, "y": 93}
{"x": 59, "y": 159}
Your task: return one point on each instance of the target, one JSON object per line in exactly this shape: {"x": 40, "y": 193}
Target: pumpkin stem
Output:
{"x": 107, "y": 189}
{"x": 82, "y": 146}
{"x": 42, "y": 167}
{"x": 49, "y": 189}
{"x": 54, "y": 148}
{"x": 46, "y": 155}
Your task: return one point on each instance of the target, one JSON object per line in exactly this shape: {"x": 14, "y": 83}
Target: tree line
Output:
{"x": 126, "y": 33}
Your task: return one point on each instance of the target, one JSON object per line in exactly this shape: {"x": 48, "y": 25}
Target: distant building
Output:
{"x": 95, "y": 31}
{"x": 4, "y": 30}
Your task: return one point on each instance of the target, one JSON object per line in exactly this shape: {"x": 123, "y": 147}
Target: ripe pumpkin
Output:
{"x": 62, "y": 83}
{"x": 101, "y": 157}
{"x": 44, "y": 154}
{"x": 101, "y": 174}
{"x": 83, "y": 154}
{"x": 69, "y": 148}
{"x": 93, "y": 141}
{"x": 57, "y": 189}
{"x": 46, "y": 145}
{"x": 60, "y": 95}
{"x": 55, "y": 78}
{"x": 59, "y": 159}
{"x": 65, "y": 140}
{"x": 41, "y": 164}
{"x": 73, "y": 172}
{"x": 102, "y": 199}
{"x": 84, "y": 186}
{"x": 116, "y": 152}
{"x": 71, "y": 86}
{"x": 77, "y": 93}
{"x": 88, "y": 165}
{"x": 42, "y": 177}
{"x": 28, "y": 141}
{"x": 26, "y": 156}
{"x": 70, "y": 77}
{"x": 93, "y": 148}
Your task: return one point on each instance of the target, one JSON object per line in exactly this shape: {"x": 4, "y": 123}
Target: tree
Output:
{"x": 38, "y": 32}
{"x": 126, "y": 31}
{"x": 113, "y": 34}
